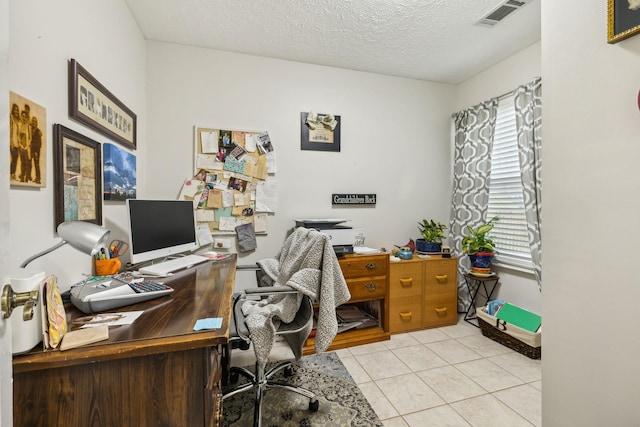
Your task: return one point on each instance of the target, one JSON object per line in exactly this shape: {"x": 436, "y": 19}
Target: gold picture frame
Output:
{"x": 78, "y": 177}
{"x": 623, "y": 19}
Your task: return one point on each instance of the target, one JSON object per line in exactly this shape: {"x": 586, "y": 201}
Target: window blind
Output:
{"x": 505, "y": 191}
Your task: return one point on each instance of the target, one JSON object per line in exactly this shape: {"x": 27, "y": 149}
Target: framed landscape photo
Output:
{"x": 77, "y": 171}
{"x": 93, "y": 105}
{"x": 623, "y": 19}
{"x": 119, "y": 168}
{"x": 320, "y": 132}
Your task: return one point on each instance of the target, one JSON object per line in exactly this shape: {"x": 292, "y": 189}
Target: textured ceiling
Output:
{"x": 434, "y": 40}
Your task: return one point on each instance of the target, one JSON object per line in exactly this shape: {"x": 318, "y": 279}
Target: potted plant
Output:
{"x": 432, "y": 236}
{"x": 480, "y": 247}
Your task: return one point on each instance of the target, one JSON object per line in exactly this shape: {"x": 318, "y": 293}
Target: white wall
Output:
{"x": 103, "y": 37}
{"x": 515, "y": 286}
{"x": 394, "y": 139}
{"x": 591, "y": 128}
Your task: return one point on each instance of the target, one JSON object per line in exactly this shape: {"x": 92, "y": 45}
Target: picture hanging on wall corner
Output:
{"x": 623, "y": 19}
{"x": 93, "y": 105}
{"x": 119, "y": 168}
{"x": 28, "y": 142}
{"x": 320, "y": 132}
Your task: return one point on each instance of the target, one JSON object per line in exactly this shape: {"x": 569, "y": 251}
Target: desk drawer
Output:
{"x": 367, "y": 288}
{"x": 441, "y": 276}
{"x": 405, "y": 279}
{"x": 364, "y": 266}
{"x": 405, "y": 314}
{"x": 440, "y": 310}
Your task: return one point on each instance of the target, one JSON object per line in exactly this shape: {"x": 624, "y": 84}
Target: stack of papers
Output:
{"x": 352, "y": 317}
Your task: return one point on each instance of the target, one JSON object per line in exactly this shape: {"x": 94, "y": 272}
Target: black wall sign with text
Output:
{"x": 353, "y": 199}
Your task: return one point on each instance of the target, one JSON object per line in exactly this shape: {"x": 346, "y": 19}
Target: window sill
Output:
{"x": 512, "y": 267}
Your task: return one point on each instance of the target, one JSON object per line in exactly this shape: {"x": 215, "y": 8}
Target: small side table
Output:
{"x": 474, "y": 283}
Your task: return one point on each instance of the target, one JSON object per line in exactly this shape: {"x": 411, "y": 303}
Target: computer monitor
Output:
{"x": 160, "y": 228}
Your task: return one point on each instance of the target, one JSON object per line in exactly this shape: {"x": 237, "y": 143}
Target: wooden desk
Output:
{"x": 155, "y": 372}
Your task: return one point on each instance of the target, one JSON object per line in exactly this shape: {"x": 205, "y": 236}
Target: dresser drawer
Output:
{"x": 367, "y": 288}
{"x": 441, "y": 276}
{"x": 405, "y": 314}
{"x": 364, "y": 266}
{"x": 440, "y": 309}
{"x": 405, "y": 279}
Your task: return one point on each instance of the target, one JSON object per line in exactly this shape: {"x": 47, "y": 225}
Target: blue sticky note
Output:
{"x": 210, "y": 323}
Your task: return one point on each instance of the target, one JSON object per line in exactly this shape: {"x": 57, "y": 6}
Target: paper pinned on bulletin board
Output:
{"x": 267, "y": 196}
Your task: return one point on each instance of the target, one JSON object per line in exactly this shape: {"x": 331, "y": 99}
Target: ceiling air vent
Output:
{"x": 500, "y": 12}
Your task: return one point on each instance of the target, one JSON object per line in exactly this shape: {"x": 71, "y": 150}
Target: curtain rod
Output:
{"x": 504, "y": 95}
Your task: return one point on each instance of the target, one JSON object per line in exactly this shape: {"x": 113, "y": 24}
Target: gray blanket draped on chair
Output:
{"x": 308, "y": 264}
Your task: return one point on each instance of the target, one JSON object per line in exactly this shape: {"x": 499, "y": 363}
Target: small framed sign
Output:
{"x": 320, "y": 132}
{"x": 353, "y": 199}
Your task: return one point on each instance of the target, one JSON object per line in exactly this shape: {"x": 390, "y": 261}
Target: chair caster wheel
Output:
{"x": 288, "y": 371}
{"x": 233, "y": 377}
{"x": 314, "y": 405}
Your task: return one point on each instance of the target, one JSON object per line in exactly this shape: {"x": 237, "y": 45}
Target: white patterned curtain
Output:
{"x": 473, "y": 139}
{"x": 528, "y": 106}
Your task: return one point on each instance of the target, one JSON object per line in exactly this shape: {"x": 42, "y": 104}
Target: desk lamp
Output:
{"x": 86, "y": 237}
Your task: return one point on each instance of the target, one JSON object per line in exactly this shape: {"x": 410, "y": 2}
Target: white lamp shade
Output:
{"x": 86, "y": 237}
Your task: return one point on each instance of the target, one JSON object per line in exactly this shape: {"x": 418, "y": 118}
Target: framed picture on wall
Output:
{"x": 119, "y": 168}
{"x": 93, "y": 105}
{"x": 623, "y": 19}
{"x": 28, "y": 142}
{"x": 320, "y": 132}
{"x": 77, "y": 171}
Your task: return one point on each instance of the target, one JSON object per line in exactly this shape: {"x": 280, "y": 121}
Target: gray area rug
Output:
{"x": 341, "y": 402}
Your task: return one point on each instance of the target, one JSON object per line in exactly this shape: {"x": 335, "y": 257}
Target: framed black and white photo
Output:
{"x": 93, "y": 105}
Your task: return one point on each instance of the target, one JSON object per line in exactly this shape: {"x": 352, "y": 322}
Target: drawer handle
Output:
{"x": 441, "y": 278}
{"x": 441, "y": 311}
{"x": 371, "y": 266}
{"x": 406, "y": 316}
{"x": 371, "y": 286}
{"x": 406, "y": 282}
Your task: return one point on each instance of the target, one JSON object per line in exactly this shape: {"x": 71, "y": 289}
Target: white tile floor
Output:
{"x": 450, "y": 376}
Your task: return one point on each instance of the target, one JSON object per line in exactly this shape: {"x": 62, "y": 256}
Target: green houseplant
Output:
{"x": 480, "y": 247}
{"x": 432, "y": 235}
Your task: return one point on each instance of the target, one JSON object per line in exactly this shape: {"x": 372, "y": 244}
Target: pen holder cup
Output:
{"x": 107, "y": 267}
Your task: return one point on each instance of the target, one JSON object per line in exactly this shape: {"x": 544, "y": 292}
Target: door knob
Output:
{"x": 11, "y": 300}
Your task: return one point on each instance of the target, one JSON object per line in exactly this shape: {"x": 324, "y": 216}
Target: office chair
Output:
{"x": 304, "y": 272}
{"x": 262, "y": 379}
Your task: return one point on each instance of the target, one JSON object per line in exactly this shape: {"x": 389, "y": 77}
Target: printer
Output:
{"x": 342, "y": 236}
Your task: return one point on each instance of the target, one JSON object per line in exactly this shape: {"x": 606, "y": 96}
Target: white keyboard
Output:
{"x": 166, "y": 267}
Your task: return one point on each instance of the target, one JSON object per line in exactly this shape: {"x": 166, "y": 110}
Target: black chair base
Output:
{"x": 260, "y": 381}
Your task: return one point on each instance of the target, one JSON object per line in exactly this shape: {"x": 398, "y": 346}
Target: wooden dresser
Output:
{"x": 368, "y": 279}
{"x": 423, "y": 293}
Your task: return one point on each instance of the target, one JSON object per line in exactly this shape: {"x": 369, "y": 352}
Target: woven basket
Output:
{"x": 507, "y": 340}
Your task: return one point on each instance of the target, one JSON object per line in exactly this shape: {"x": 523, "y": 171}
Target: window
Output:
{"x": 505, "y": 192}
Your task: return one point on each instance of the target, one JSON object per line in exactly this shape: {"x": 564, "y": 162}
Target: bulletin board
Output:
{"x": 234, "y": 179}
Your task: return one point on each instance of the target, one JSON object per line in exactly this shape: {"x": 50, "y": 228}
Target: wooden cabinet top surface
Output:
{"x": 166, "y": 324}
